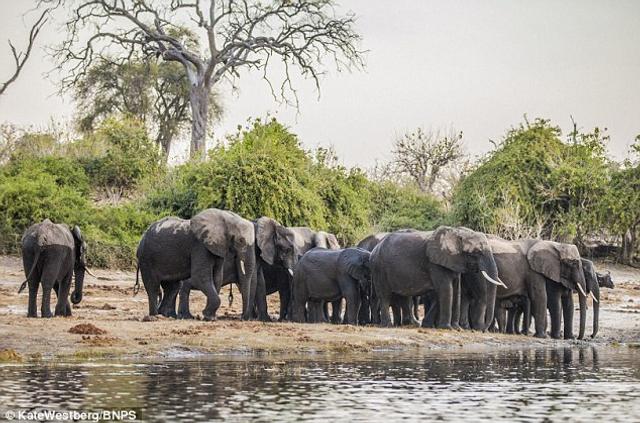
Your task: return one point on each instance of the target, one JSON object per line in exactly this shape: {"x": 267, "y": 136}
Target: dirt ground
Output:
{"x": 113, "y": 325}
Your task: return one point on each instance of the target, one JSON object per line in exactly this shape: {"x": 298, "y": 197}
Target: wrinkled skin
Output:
{"x": 280, "y": 280}
{"x": 52, "y": 254}
{"x": 330, "y": 275}
{"x": 198, "y": 252}
{"x": 413, "y": 263}
{"x": 544, "y": 271}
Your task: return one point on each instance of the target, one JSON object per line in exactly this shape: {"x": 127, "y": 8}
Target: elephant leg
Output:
{"x": 538, "y": 296}
{"x": 501, "y": 318}
{"x": 352, "y": 300}
{"x": 62, "y": 305}
{"x": 152, "y": 287}
{"x": 445, "y": 294}
{"x": 261, "y": 297}
{"x": 167, "y": 306}
{"x": 406, "y": 307}
{"x": 183, "y": 302}
{"x": 285, "y": 301}
{"x": 431, "y": 312}
{"x": 526, "y": 320}
{"x": 336, "y": 311}
{"x": 384, "y": 300}
{"x": 325, "y": 312}
{"x": 567, "y": 314}
{"x": 364, "y": 314}
{"x": 416, "y": 308}
{"x": 34, "y": 284}
{"x": 316, "y": 311}
{"x": 455, "y": 304}
{"x": 298, "y": 309}
{"x": 511, "y": 320}
{"x": 206, "y": 269}
{"x": 396, "y": 311}
{"x": 465, "y": 310}
{"x": 553, "y": 303}
{"x": 45, "y": 309}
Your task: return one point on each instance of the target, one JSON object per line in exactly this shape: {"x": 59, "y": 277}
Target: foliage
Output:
{"x": 533, "y": 184}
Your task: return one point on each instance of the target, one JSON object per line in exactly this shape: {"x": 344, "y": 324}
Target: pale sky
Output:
{"x": 478, "y": 66}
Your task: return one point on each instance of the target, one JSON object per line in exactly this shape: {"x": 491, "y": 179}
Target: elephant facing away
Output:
{"x": 413, "y": 263}
{"x": 330, "y": 275}
{"x": 173, "y": 249}
{"x": 52, "y": 254}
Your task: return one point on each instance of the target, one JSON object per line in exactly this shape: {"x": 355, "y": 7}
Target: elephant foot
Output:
{"x": 32, "y": 315}
{"x": 445, "y": 327}
{"x": 185, "y": 316}
{"x": 456, "y": 327}
{"x": 540, "y": 335}
{"x": 265, "y": 318}
{"x": 47, "y": 314}
{"x": 209, "y": 318}
{"x": 556, "y": 336}
{"x": 569, "y": 337}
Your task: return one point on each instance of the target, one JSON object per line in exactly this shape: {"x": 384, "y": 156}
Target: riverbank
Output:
{"x": 112, "y": 324}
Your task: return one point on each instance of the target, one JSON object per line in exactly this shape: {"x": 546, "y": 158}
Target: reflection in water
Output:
{"x": 564, "y": 383}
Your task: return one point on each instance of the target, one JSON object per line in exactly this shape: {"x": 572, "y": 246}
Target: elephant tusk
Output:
{"x": 290, "y": 272}
{"x": 487, "y": 277}
{"x": 86, "y": 269}
{"x": 584, "y": 294}
{"x": 242, "y": 267}
{"x": 503, "y": 284}
{"x": 592, "y": 297}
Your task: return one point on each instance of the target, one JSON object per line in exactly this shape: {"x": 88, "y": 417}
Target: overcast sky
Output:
{"x": 476, "y": 65}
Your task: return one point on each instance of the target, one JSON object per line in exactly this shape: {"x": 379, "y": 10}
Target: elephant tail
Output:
{"x": 30, "y": 274}
{"x": 230, "y": 294}
{"x": 136, "y": 286}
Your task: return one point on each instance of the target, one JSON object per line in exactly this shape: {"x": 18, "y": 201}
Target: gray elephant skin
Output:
{"x": 52, "y": 254}
{"x": 330, "y": 275}
{"x": 413, "y": 263}
{"x": 173, "y": 249}
{"x": 546, "y": 272}
{"x": 278, "y": 279}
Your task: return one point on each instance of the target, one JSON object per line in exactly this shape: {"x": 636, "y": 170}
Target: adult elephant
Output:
{"x": 413, "y": 263}
{"x": 52, "y": 254}
{"x": 594, "y": 281}
{"x": 280, "y": 280}
{"x": 546, "y": 272}
{"x": 330, "y": 275}
{"x": 174, "y": 249}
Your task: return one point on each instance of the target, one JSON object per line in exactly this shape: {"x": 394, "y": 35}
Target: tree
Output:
{"x": 20, "y": 58}
{"x": 239, "y": 35}
{"x": 155, "y": 93}
{"x": 425, "y": 155}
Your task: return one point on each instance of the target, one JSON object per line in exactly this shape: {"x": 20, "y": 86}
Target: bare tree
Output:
{"x": 426, "y": 157}
{"x": 20, "y": 58}
{"x": 237, "y": 34}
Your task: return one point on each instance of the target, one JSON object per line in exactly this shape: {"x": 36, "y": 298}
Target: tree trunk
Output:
{"x": 199, "y": 100}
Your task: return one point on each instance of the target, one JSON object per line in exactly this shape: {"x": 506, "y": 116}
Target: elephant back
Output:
{"x": 48, "y": 233}
{"x": 219, "y": 230}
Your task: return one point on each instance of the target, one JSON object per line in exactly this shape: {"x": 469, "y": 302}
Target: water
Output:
{"x": 524, "y": 385}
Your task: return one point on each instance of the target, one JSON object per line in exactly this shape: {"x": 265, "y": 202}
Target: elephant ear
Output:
{"x": 590, "y": 275}
{"x": 544, "y": 258}
{"x": 265, "y": 238}
{"x": 209, "y": 227}
{"x": 354, "y": 263}
{"x": 444, "y": 248}
{"x": 320, "y": 240}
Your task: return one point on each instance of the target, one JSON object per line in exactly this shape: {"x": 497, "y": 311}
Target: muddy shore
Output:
{"x": 109, "y": 306}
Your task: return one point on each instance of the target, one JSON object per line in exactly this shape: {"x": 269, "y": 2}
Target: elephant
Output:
{"x": 52, "y": 254}
{"x": 330, "y": 275}
{"x": 275, "y": 252}
{"x": 508, "y": 312}
{"x": 196, "y": 252}
{"x": 594, "y": 281}
{"x": 410, "y": 263}
{"x": 280, "y": 280}
{"x": 369, "y": 313}
{"x": 544, "y": 271}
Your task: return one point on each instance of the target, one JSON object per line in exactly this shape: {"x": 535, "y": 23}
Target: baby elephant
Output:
{"x": 329, "y": 275}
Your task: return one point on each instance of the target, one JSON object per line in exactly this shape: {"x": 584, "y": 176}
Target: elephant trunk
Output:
{"x": 76, "y": 296}
{"x": 246, "y": 270}
{"x": 491, "y": 305}
{"x": 596, "y": 310}
{"x": 583, "y": 314}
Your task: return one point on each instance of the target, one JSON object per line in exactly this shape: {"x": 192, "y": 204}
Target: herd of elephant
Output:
{"x": 463, "y": 278}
